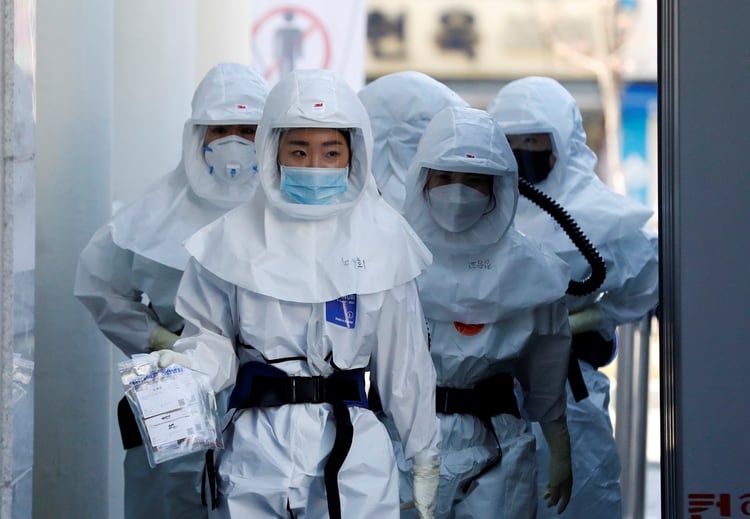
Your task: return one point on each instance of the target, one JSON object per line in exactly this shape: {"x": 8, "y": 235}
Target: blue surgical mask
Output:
{"x": 314, "y": 186}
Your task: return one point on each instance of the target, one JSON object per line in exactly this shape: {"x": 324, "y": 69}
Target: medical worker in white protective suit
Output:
{"x": 293, "y": 296}
{"x": 400, "y": 105}
{"x": 543, "y": 124}
{"x": 494, "y": 303}
{"x": 129, "y": 272}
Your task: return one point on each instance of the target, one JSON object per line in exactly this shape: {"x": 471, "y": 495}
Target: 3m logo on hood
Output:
{"x": 470, "y": 156}
{"x": 242, "y": 107}
{"x": 319, "y": 106}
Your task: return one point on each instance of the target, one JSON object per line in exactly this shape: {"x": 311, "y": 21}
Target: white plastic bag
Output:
{"x": 175, "y": 408}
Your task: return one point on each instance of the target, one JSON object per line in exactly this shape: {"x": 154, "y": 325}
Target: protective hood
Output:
{"x": 312, "y": 253}
{"x": 156, "y": 224}
{"x": 542, "y": 105}
{"x": 175, "y": 206}
{"x": 230, "y": 93}
{"x": 490, "y": 270}
{"x": 315, "y": 99}
{"x": 464, "y": 140}
{"x": 400, "y": 105}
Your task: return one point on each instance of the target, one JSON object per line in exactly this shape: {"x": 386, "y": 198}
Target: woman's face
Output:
{"x": 482, "y": 183}
{"x": 314, "y": 148}
{"x": 246, "y": 131}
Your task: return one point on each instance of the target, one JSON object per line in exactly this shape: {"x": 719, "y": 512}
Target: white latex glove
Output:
{"x": 162, "y": 339}
{"x": 586, "y": 320}
{"x": 426, "y": 470}
{"x": 560, "y": 485}
{"x": 169, "y": 357}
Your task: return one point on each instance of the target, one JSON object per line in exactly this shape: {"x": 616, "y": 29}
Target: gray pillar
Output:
{"x": 705, "y": 245}
{"x": 6, "y": 258}
{"x": 73, "y": 361}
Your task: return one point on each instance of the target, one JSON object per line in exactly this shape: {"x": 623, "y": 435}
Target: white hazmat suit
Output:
{"x": 129, "y": 272}
{"x": 313, "y": 291}
{"x": 493, "y": 300}
{"x": 400, "y": 106}
{"x": 616, "y": 226}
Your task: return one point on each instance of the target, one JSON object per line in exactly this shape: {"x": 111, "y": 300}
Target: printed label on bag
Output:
{"x": 166, "y": 407}
{"x": 170, "y": 427}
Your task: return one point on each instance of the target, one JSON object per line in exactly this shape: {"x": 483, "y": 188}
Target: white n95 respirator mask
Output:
{"x": 228, "y": 172}
{"x": 456, "y": 207}
{"x": 230, "y": 157}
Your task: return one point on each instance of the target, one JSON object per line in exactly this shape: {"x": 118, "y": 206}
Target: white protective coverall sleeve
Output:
{"x": 408, "y": 396}
{"x": 633, "y": 295}
{"x": 544, "y": 374}
{"x": 103, "y": 284}
{"x": 543, "y": 369}
{"x": 639, "y": 293}
{"x": 208, "y": 305}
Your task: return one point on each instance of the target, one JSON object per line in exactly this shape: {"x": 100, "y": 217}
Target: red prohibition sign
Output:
{"x": 316, "y": 25}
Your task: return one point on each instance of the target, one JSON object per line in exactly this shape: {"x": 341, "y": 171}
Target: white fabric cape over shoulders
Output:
{"x": 258, "y": 248}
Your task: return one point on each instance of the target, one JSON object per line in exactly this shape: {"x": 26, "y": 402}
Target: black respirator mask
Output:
{"x": 533, "y": 166}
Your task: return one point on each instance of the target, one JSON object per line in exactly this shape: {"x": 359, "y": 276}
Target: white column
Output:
{"x": 73, "y": 361}
{"x": 222, "y": 34}
{"x": 154, "y": 51}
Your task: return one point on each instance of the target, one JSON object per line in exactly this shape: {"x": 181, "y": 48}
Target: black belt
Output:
{"x": 274, "y": 391}
{"x": 489, "y": 397}
{"x": 261, "y": 385}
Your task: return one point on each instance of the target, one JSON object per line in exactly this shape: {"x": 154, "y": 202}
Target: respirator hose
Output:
{"x": 571, "y": 228}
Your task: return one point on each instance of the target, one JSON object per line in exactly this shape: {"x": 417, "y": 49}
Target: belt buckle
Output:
{"x": 445, "y": 401}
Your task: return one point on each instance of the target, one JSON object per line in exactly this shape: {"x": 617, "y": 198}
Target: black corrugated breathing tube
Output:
{"x": 574, "y": 232}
